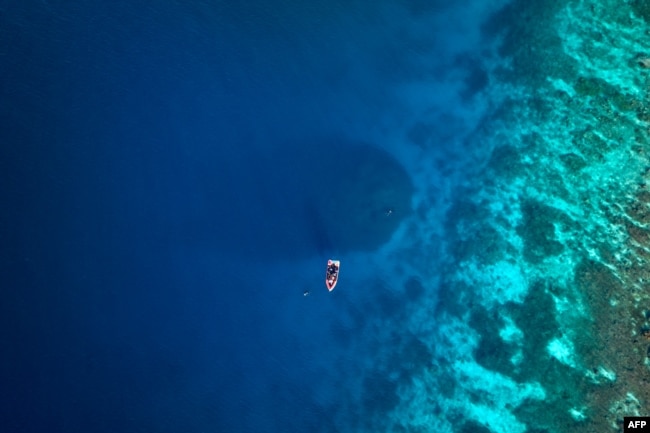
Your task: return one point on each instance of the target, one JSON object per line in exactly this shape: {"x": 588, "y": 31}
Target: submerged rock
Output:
{"x": 303, "y": 199}
{"x": 643, "y": 61}
{"x": 353, "y": 187}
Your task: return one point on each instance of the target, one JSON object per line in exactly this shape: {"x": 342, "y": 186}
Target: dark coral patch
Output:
{"x": 477, "y": 80}
{"x": 473, "y": 427}
{"x": 492, "y": 351}
{"x": 573, "y": 162}
{"x": 535, "y": 317}
{"x": 505, "y": 160}
{"x": 538, "y": 231}
{"x": 642, "y": 9}
{"x": 481, "y": 242}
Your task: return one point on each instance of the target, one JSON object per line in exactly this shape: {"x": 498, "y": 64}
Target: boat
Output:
{"x": 332, "y": 275}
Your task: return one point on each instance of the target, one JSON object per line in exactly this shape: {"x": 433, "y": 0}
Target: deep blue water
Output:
{"x": 174, "y": 176}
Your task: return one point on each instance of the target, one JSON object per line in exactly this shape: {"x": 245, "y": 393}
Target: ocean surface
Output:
{"x": 175, "y": 175}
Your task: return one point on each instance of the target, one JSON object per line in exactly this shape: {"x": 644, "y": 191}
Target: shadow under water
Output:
{"x": 322, "y": 198}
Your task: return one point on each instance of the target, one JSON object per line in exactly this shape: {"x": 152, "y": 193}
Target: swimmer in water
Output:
{"x": 305, "y": 293}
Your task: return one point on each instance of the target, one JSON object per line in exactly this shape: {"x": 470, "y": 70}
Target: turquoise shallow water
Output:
{"x": 177, "y": 176}
{"x": 549, "y": 238}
